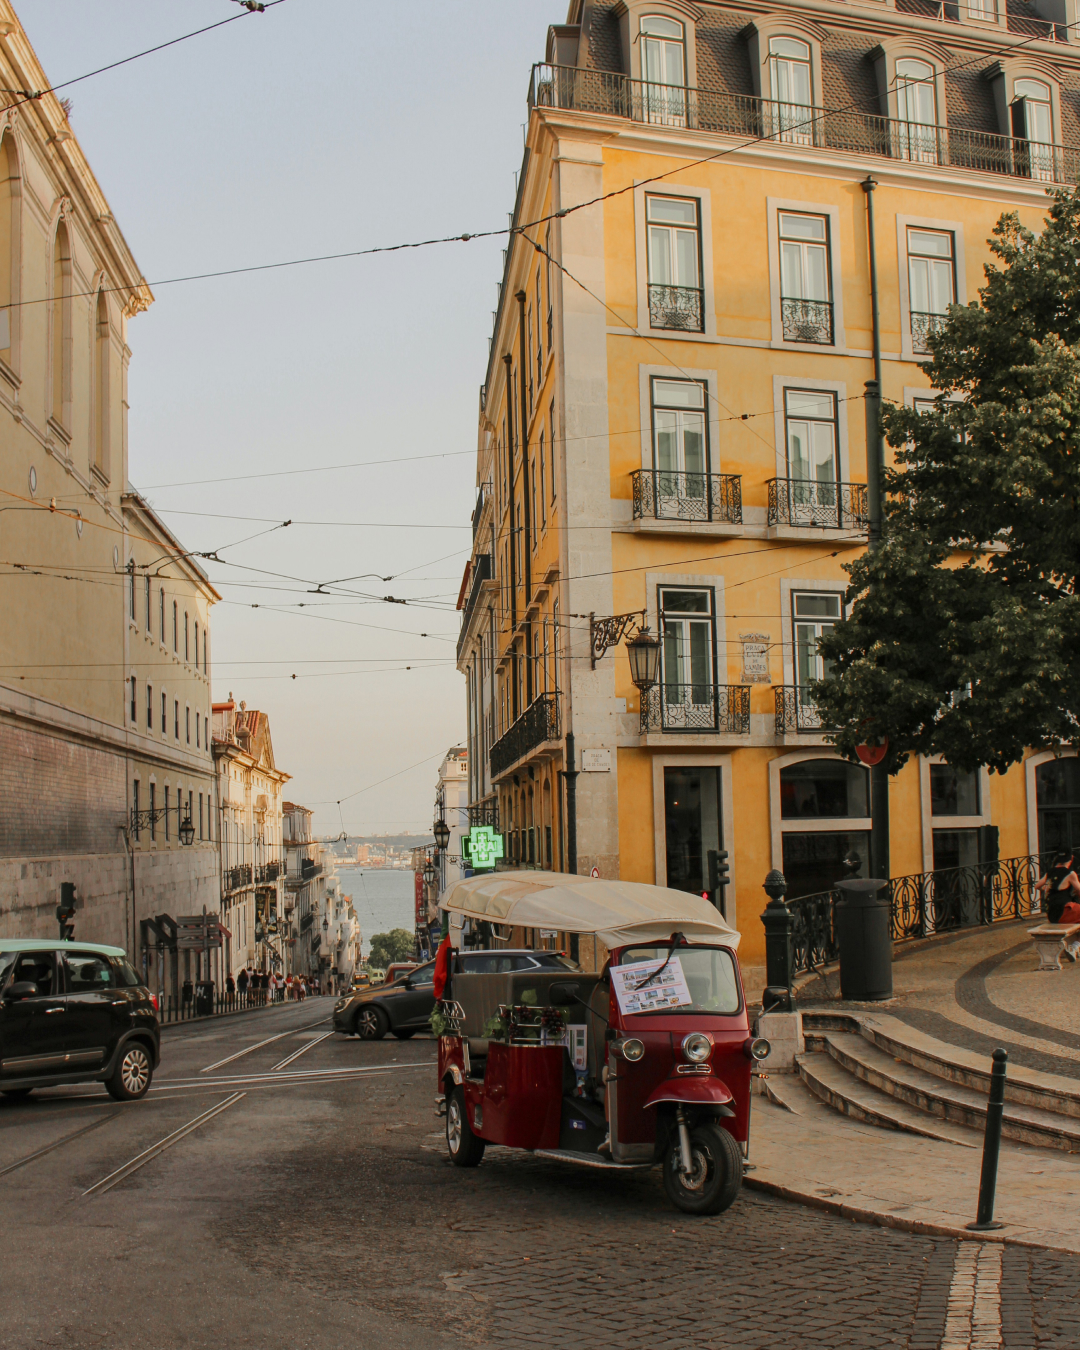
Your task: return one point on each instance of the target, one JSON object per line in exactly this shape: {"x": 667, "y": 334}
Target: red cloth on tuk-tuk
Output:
{"x": 442, "y": 968}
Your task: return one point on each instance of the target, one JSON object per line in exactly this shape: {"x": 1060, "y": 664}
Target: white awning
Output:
{"x": 618, "y": 912}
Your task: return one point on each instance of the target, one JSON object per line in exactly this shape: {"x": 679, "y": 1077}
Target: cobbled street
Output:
{"x": 319, "y": 1210}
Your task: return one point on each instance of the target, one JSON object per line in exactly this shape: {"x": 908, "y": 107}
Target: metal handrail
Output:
{"x": 606, "y": 93}
{"x": 696, "y": 707}
{"x": 537, "y": 724}
{"x": 665, "y": 494}
{"x": 807, "y": 320}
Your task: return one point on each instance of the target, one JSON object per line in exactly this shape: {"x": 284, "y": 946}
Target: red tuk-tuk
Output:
{"x": 645, "y": 1063}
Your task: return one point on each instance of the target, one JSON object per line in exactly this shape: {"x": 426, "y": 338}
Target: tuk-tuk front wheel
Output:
{"x": 465, "y": 1149}
{"x": 714, "y": 1181}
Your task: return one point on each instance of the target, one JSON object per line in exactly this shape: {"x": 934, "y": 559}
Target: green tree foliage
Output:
{"x": 397, "y": 945}
{"x": 964, "y": 634}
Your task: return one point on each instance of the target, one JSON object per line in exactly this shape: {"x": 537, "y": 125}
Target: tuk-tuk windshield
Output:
{"x": 709, "y": 973}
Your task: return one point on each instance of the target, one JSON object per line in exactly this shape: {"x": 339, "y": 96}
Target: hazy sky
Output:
{"x": 318, "y": 127}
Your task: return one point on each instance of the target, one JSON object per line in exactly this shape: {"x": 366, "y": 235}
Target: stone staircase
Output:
{"x": 878, "y": 1070}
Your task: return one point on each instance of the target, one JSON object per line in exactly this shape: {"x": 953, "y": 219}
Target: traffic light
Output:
{"x": 719, "y": 873}
{"x": 65, "y": 910}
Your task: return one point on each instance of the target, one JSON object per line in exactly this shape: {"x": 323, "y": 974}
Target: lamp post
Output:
{"x": 442, "y": 835}
{"x": 643, "y": 652}
{"x": 187, "y": 832}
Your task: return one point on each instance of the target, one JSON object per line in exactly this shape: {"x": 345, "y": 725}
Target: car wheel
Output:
{"x": 17, "y": 1094}
{"x": 465, "y": 1149}
{"x": 717, "y": 1173}
{"x": 403, "y": 1033}
{"x": 371, "y": 1023}
{"x": 130, "y": 1080}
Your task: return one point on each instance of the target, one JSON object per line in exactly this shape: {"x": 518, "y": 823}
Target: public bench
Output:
{"x": 1050, "y": 940}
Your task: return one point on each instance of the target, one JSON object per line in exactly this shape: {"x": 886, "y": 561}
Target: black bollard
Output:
{"x": 991, "y": 1146}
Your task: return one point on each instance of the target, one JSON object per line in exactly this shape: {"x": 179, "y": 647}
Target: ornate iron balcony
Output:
{"x": 807, "y": 320}
{"x": 806, "y": 502}
{"x": 922, "y": 325}
{"x": 268, "y": 872}
{"x": 483, "y": 570}
{"x": 604, "y": 93}
{"x": 665, "y": 495}
{"x": 795, "y": 710}
{"x": 235, "y": 878}
{"x": 537, "y": 724}
{"x": 679, "y": 307}
{"x": 696, "y": 707}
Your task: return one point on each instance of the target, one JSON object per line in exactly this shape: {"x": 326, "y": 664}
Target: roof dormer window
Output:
{"x": 916, "y": 111}
{"x": 789, "y": 74}
{"x": 663, "y": 70}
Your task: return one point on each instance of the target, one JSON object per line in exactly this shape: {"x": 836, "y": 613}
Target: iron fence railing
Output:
{"x": 795, "y": 710}
{"x": 922, "y": 325}
{"x": 537, "y": 724}
{"x": 235, "y": 878}
{"x": 696, "y": 707}
{"x": 679, "y": 307}
{"x": 483, "y": 570}
{"x": 807, "y": 320}
{"x": 806, "y": 503}
{"x": 925, "y": 904}
{"x": 614, "y": 95}
{"x": 267, "y": 872}
{"x": 666, "y": 495}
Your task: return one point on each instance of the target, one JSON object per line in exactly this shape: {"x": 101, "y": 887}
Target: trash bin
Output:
{"x": 204, "y": 1000}
{"x": 864, "y": 940}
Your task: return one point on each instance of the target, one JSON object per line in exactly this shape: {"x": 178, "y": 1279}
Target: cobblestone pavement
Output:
{"x": 320, "y": 1212}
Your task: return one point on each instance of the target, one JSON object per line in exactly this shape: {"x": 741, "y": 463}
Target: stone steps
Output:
{"x": 876, "y": 1070}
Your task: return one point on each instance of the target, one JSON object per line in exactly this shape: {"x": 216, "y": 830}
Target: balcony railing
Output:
{"x": 267, "y": 872}
{"x": 922, "y": 325}
{"x": 696, "y": 707}
{"x": 234, "y": 878}
{"x": 807, "y": 320}
{"x": 796, "y": 710}
{"x": 483, "y": 570}
{"x": 608, "y": 94}
{"x": 537, "y": 724}
{"x": 666, "y": 495}
{"x": 807, "y": 503}
{"x": 484, "y": 813}
{"x": 679, "y": 307}
{"x": 925, "y": 904}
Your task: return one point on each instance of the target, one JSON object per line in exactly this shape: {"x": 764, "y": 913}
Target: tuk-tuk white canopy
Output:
{"x": 618, "y": 912}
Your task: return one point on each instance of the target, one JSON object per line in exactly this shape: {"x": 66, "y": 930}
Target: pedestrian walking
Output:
{"x": 230, "y": 990}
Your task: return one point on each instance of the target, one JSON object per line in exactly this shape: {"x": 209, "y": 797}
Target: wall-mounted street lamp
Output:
{"x": 429, "y": 872}
{"x": 187, "y": 832}
{"x": 442, "y": 835}
{"x": 643, "y": 651}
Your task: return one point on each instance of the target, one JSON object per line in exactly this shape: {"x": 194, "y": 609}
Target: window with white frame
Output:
{"x": 663, "y": 70}
{"x": 823, "y": 804}
{"x": 931, "y": 282}
{"x": 680, "y": 447}
{"x": 805, "y": 283}
{"x": 810, "y": 433}
{"x": 1033, "y": 122}
{"x": 674, "y": 263}
{"x": 813, "y": 614}
{"x": 687, "y": 626}
{"x": 916, "y": 133}
{"x": 149, "y": 613}
{"x": 789, "y": 78}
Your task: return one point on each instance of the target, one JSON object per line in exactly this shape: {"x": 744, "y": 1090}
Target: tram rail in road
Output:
{"x": 149, "y": 1154}
{"x": 296, "y": 1077}
{"x": 302, "y": 1051}
{"x": 58, "y": 1143}
{"x": 293, "y": 1031}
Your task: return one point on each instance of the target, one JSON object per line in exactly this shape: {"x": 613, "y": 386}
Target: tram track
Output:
{"x": 297, "y": 1076}
{"x": 58, "y": 1143}
{"x": 281, "y": 1035}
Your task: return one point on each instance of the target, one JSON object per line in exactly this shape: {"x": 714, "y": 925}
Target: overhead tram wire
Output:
{"x": 467, "y": 237}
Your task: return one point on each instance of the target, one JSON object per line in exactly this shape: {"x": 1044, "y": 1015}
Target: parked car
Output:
{"x": 398, "y": 969}
{"x": 74, "y": 1013}
{"x": 405, "y": 1006}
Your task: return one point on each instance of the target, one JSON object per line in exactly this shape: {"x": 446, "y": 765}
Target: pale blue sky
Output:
{"x": 317, "y": 127}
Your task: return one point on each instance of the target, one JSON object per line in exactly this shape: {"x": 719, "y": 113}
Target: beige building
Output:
{"x": 304, "y": 892}
{"x": 104, "y": 618}
{"x": 248, "y": 826}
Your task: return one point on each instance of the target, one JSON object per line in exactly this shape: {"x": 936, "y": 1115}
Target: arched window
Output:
{"x": 789, "y": 74}
{"x": 663, "y": 70}
{"x": 9, "y": 199}
{"x": 824, "y": 818}
{"x": 60, "y": 330}
{"x": 1033, "y": 122}
{"x": 101, "y": 395}
{"x": 916, "y": 111}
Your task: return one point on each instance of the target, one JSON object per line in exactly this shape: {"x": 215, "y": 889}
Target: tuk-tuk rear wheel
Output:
{"x": 717, "y": 1175}
{"x": 465, "y": 1149}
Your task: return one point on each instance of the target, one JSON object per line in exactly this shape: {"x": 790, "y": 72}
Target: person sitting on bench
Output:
{"x": 1056, "y": 883}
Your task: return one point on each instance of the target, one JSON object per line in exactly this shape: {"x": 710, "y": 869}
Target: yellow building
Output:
{"x": 104, "y": 616}
{"x": 673, "y": 422}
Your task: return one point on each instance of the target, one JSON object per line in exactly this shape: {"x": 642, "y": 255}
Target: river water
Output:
{"x": 383, "y": 899}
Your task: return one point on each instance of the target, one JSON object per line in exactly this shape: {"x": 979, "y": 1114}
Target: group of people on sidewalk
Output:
{"x": 1059, "y": 887}
{"x": 269, "y": 987}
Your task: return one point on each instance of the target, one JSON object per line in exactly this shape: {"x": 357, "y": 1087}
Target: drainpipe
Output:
{"x": 875, "y": 472}
{"x": 523, "y": 432}
{"x": 508, "y": 362}
{"x": 570, "y": 774}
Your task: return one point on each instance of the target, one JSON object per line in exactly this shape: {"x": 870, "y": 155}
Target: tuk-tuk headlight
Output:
{"x": 632, "y": 1049}
{"x": 757, "y": 1047}
{"x": 697, "y": 1047}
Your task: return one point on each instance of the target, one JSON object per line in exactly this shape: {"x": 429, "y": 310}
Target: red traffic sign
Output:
{"x": 873, "y": 754}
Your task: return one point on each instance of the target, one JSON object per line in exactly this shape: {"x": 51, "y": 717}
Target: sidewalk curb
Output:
{"x": 883, "y": 1219}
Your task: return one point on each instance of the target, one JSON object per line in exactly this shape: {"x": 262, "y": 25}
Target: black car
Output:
{"x": 74, "y": 1013}
{"x": 405, "y": 1006}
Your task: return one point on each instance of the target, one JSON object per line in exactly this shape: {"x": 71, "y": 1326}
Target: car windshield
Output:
{"x": 709, "y": 973}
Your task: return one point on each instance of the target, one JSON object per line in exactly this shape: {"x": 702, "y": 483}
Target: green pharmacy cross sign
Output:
{"x": 481, "y": 847}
